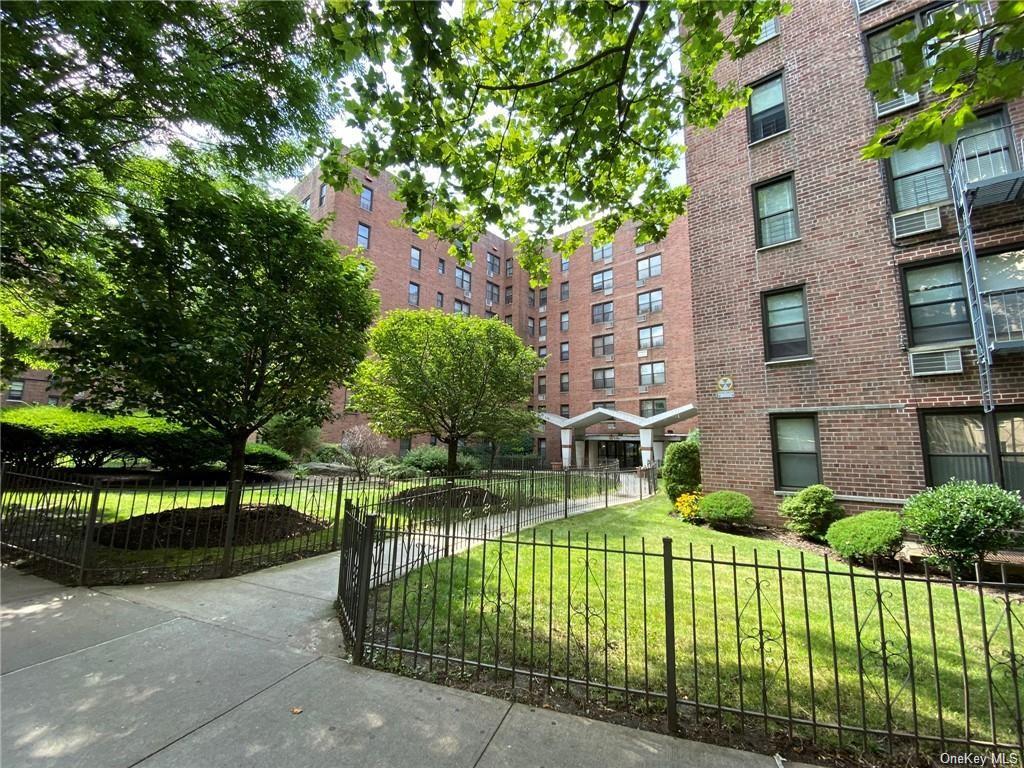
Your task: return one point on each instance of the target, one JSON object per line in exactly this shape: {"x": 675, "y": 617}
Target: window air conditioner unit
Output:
{"x": 543, "y": 308}
{"x": 609, "y": 326}
{"x": 641, "y": 353}
{"x": 915, "y": 222}
{"x": 863, "y": 6}
{"x": 467, "y": 294}
{"x": 542, "y": 397}
{"x": 608, "y": 259}
{"x": 936, "y": 363}
{"x": 609, "y": 390}
{"x": 608, "y": 291}
{"x": 542, "y": 338}
{"x": 644, "y": 389}
{"x": 609, "y": 358}
{"x": 902, "y": 101}
{"x": 641, "y": 282}
{"x": 641, "y": 248}
{"x": 489, "y": 303}
{"x": 642, "y": 318}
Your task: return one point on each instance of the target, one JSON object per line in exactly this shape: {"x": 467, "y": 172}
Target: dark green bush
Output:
{"x": 726, "y": 508}
{"x": 433, "y": 459}
{"x": 184, "y": 450}
{"x": 811, "y": 511}
{"x": 330, "y": 453}
{"x": 681, "y": 468}
{"x": 961, "y": 521}
{"x": 298, "y": 438}
{"x": 266, "y": 457}
{"x": 878, "y": 533}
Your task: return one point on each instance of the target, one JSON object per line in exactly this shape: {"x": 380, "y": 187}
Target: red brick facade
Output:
{"x": 856, "y": 377}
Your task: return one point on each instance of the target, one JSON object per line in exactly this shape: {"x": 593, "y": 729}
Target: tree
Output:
{"x": 450, "y": 376}
{"x": 220, "y": 307}
{"x": 85, "y": 87}
{"x": 962, "y": 58}
{"x": 298, "y": 437}
{"x": 364, "y": 446}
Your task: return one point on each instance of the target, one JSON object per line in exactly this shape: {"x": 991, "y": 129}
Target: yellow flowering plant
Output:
{"x": 686, "y": 506}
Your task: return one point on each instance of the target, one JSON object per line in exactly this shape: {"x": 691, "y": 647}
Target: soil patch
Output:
{"x": 193, "y": 527}
{"x": 447, "y": 497}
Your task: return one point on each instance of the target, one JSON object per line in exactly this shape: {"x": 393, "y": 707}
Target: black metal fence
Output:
{"x": 798, "y": 647}
{"x": 129, "y": 529}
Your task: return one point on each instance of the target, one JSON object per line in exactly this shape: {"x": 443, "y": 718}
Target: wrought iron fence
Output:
{"x": 803, "y": 648}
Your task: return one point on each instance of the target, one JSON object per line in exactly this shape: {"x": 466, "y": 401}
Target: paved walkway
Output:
{"x": 247, "y": 672}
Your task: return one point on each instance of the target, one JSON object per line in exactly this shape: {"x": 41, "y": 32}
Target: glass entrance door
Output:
{"x": 625, "y": 452}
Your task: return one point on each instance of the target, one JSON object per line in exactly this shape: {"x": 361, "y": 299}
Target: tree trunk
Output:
{"x": 236, "y": 459}
{"x": 494, "y": 456}
{"x": 453, "y": 456}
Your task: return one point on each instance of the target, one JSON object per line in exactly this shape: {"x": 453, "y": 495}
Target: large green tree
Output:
{"x": 449, "y": 376}
{"x": 220, "y": 307}
{"x": 529, "y": 116}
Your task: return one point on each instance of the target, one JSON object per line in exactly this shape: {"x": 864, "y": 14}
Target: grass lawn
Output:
{"x": 833, "y": 647}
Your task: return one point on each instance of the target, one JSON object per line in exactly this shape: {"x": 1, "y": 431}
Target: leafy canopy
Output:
{"x": 962, "y": 59}
{"x": 449, "y": 376}
{"x": 221, "y": 308}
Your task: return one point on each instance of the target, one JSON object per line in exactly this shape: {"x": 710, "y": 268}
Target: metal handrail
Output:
{"x": 1004, "y": 314}
{"x": 973, "y": 162}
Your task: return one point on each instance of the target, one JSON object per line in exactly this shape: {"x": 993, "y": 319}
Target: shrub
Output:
{"x": 330, "y": 453}
{"x": 433, "y": 460}
{"x": 811, "y": 511}
{"x": 726, "y": 508}
{"x": 183, "y": 450}
{"x": 686, "y": 505}
{"x": 878, "y": 533}
{"x": 961, "y": 521}
{"x": 363, "y": 446}
{"x": 266, "y": 457}
{"x": 681, "y": 468}
{"x": 296, "y": 437}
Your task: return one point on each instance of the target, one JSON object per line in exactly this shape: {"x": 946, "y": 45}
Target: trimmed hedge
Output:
{"x": 433, "y": 459}
{"x": 681, "y": 468}
{"x": 726, "y": 508}
{"x": 878, "y": 533}
{"x": 962, "y": 521}
{"x": 266, "y": 457}
{"x": 811, "y": 511}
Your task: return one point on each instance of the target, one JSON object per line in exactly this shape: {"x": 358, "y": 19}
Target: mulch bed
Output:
{"x": 452, "y": 497}
{"x": 193, "y": 527}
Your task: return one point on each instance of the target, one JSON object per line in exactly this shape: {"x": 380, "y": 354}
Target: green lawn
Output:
{"x": 601, "y": 618}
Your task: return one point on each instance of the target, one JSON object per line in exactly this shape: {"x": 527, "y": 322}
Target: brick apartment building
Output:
{"x": 614, "y": 324}
{"x": 832, "y": 309}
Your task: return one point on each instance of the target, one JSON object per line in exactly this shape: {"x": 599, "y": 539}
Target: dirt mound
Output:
{"x": 194, "y": 527}
{"x": 447, "y": 497}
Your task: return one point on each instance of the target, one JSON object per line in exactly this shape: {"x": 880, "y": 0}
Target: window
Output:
{"x": 542, "y": 385}
{"x": 651, "y": 336}
{"x": 363, "y": 235}
{"x": 776, "y": 212}
{"x": 769, "y": 29}
{"x": 649, "y": 267}
{"x": 785, "y": 324}
{"x": 603, "y": 378}
{"x": 366, "y": 199}
{"x": 601, "y": 281}
{"x": 563, "y": 351}
{"x": 16, "y": 390}
{"x": 493, "y": 293}
{"x": 652, "y": 373}
{"x": 565, "y": 265}
{"x": 884, "y": 46}
{"x": 649, "y": 302}
{"x": 918, "y": 177}
{"x": 490, "y": 314}
{"x": 937, "y": 303}
{"x": 322, "y": 196}
{"x": 563, "y": 322}
{"x": 542, "y": 298}
{"x": 439, "y": 300}
{"x": 53, "y": 399}
{"x": 1002, "y": 295}
{"x": 542, "y": 327}
{"x": 563, "y": 411}
{"x": 542, "y": 448}
{"x": 542, "y": 351}
{"x": 414, "y": 294}
{"x": 604, "y": 404}
{"x": 404, "y": 446}
{"x": 530, "y": 327}
{"x": 493, "y": 264}
{"x": 563, "y": 382}
{"x": 563, "y": 291}
{"x": 441, "y": 266}
{"x": 508, "y": 319}
{"x": 1010, "y": 431}
{"x": 956, "y": 445}
{"x": 461, "y": 308}
{"x": 463, "y": 279}
{"x": 598, "y": 252}
{"x": 985, "y": 145}
{"x": 603, "y": 345}
{"x": 306, "y": 204}
{"x": 508, "y": 267}
{"x": 795, "y": 451}
{"x": 602, "y": 313}
{"x": 653, "y": 407}
{"x": 766, "y": 113}
{"x": 414, "y": 258}
{"x": 531, "y": 298}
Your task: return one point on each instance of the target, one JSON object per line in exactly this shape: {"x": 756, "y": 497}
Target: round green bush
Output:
{"x": 811, "y": 511}
{"x": 681, "y": 468}
{"x": 433, "y": 459}
{"x": 726, "y": 508}
{"x": 331, "y": 453}
{"x": 878, "y": 533}
{"x": 962, "y": 521}
{"x": 297, "y": 437}
{"x": 266, "y": 457}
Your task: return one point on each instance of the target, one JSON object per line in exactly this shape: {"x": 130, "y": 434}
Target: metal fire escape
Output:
{"x": 986, "y": 171}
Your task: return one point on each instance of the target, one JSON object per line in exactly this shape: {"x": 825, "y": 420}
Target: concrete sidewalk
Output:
{"x": 248, "y": 672}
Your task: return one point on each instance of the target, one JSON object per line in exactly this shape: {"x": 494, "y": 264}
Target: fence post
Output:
{"x": 90, "y": 528}
{"x": 565, "y": 492}
{"x": 605, "y": 474}
{"x": 232, "y": 502}
{"x": 337, "y": 514}
{"x": 670, "y": 637}
{"x": 363, "y": 588}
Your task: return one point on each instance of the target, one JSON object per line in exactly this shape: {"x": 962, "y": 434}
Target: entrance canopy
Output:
{"x": 651, "y": 428}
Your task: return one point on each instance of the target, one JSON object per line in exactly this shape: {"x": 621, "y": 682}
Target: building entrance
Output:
{"x": 626, "y": 452}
